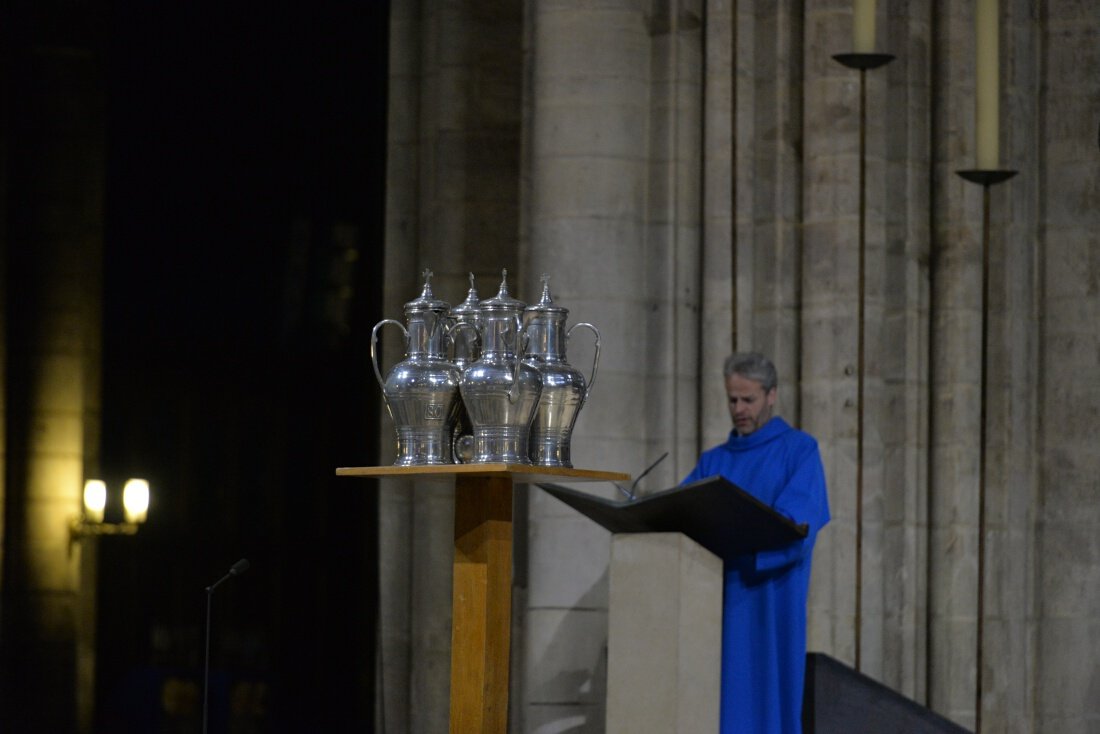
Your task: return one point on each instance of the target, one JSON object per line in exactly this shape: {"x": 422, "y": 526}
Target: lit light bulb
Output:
{"x": 135, "y": 500}
{"x": 95, "y": 499}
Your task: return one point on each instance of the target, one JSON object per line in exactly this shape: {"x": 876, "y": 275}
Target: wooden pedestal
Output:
{"x": 482, "y": 598}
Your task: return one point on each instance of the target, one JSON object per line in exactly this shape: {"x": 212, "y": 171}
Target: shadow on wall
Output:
{"x": 572, "y": 699}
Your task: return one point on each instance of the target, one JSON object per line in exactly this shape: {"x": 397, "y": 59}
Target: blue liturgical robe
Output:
{"x": 764, "y": 609}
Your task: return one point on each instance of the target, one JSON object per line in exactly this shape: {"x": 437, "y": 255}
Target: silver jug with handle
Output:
{"x": 499, "y": 390}
{"x": 421, "y": 392}
{"x": 564, "y": 388}
{"x": 466, "y": 340}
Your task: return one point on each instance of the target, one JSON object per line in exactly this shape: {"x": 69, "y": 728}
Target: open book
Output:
{"x": 716, "y": 514}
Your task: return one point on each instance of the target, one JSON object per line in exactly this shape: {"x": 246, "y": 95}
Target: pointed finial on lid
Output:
{"x": 427, "y": 282}
{"x": 470, "y": 305}
{"x": 546, "y": 303}
{"x": 502, "y": 300}
{"x": 545, "y": 300}
{"x": 427, "y": 299}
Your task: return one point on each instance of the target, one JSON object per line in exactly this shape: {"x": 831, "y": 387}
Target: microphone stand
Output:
{"x": 630, "y": 492}
{"x": 238, "y": 568}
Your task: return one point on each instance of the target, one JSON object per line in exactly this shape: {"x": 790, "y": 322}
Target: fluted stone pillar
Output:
{"x": 718, "y": 315}
{"x": 769, "y": 205}
{"x": 1014, "y": 437}
{"x": 1067, "y": 555}
{"x": 886, "y": 588}
{"x": 955, "y": 376}
{"x": 674, "y": 244}
{"x": 1010, "y": 372}
{"x": 829, "y": 303}
{"x": 900, "y": 410}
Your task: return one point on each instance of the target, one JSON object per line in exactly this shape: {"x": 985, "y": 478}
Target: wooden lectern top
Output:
{"x": 715, "y": 513}
{"x": 519, "y": 473}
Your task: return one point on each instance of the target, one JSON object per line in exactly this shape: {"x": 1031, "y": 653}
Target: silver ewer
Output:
{"x": 421, "y": 392}
{"x": 465, "y": 319}
{"x": 499, "y": 390}
{"x": 564, "y": 389}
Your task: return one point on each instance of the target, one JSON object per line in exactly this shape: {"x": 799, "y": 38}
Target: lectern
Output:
{"x": 482, "y": 596}
{"x": 665, "y": 628}
{"x": 714, "y": 512}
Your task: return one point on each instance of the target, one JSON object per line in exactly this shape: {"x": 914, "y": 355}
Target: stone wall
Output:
{"x": 1067, "y": 244}
{"x": 52, "y": 229}
{"x": 452, "y": 206}
{"x": 687, "y": 175}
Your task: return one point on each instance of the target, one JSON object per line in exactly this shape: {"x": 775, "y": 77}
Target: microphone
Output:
{"x": 630, "y": 492}
{"x": 235, "y": 570}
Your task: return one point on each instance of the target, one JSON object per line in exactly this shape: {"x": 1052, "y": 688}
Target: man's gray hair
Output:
{"x": 754, "y": 366}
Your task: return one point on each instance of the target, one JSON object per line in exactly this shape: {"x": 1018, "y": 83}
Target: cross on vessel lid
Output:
{"x": 502, "y": 301}
{"x": 427, "y": 300}
{"x": 546, "y": 303}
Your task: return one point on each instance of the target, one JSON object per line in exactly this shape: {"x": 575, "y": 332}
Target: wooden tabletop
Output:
{"x": 520, "y": 473}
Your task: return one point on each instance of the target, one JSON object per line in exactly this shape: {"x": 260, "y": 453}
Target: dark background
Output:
{"x": 242, "y": 275}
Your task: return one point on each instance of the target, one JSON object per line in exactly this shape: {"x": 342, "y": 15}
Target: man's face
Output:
{"x": 750, "y": 407}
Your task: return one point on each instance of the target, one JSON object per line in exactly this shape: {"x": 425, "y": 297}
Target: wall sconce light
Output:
{"x": 135, "y": 504}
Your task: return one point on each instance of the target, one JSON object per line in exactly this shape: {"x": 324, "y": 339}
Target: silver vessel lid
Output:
{"x": 546, "y": 303}
{"x": 469, "y": 307}
{"x": 502, "y": 301}
{"x": 427, "y": 300}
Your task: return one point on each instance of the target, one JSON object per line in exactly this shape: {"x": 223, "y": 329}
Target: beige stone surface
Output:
{"x": 687, "y": 175}
{"x": 665, "y": 635}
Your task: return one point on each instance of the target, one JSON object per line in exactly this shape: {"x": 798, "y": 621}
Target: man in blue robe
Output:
{"x": 764, "y": 610}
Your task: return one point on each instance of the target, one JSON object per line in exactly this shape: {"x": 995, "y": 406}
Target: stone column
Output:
{"x": 829, "y": 302}
{"x": 955, "y": 374}
{"x": 899, "y": 501}
{"x": 1009, "y": 627}
{"x": 613, "y": 219}
{"x": 54, "y": 247}
{"x": 769, "y": 191}
{"x": 674, "y": 244}
{"x": 1067, "y": 555}
{"x": 415, "y": 519}
{"x": 718, "y": 327}
{"x": 890, "y": 586}
{"x": 585, "y": 227}
{"x": 452, "y": 206}
{"x": 395, "y": 575}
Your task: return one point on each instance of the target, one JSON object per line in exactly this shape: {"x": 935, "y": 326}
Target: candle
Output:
{"x": 987, "y": 133}
{"x": 863, "y": 26}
